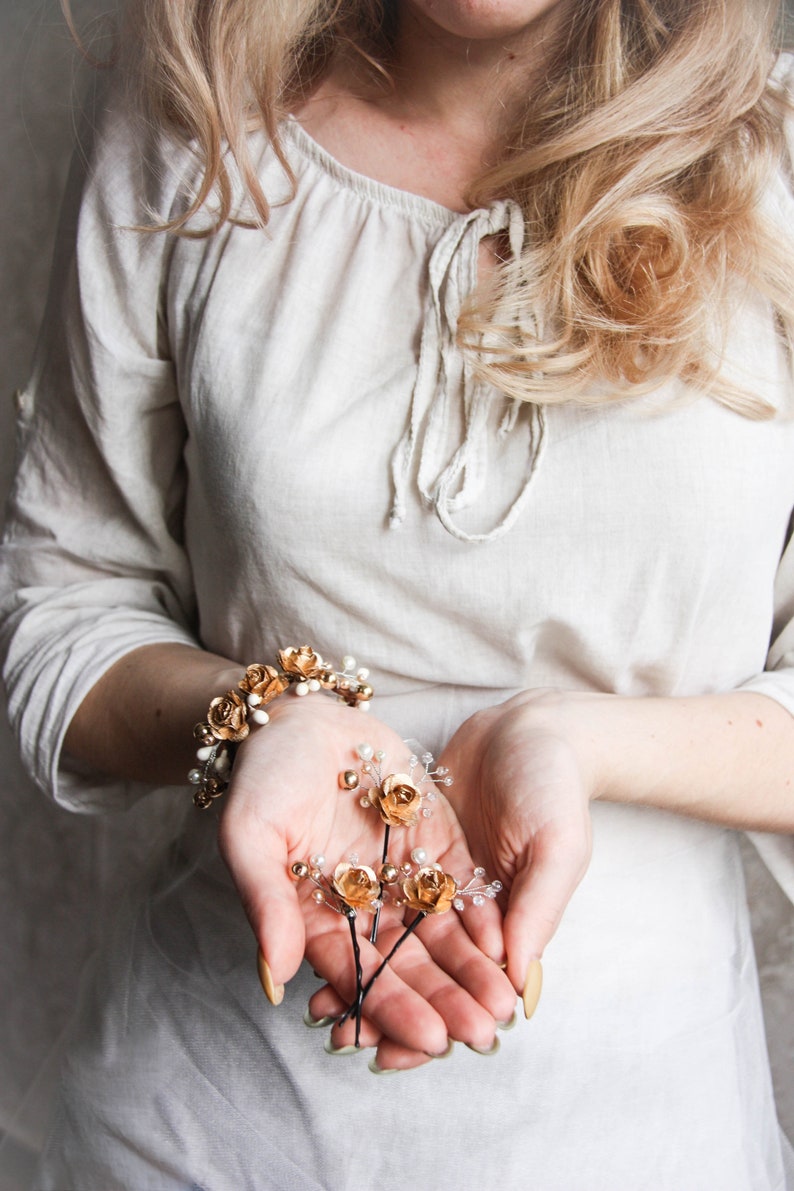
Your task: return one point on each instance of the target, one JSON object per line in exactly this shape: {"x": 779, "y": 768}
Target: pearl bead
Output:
{"x": 204, "y": 754}
{"x": 254, "y": 700}
{"x": 348, "y": 662}
{"x": 365, "y": 751}
{"x": 318, "y": 860}
{"x": 314, "y": 684}
{"x": 362, "y": 674}
{"x": 260, "y": 717}
{"x": 419, "y": 855}
{"x": 301, "y": 688}
{"x": 194, "y": 777}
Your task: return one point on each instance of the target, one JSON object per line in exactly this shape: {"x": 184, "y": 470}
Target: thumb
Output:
{"x": 258, "y": 863}
{"x": 539, "y": 895}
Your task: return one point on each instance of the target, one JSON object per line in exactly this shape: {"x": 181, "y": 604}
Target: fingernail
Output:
{"x": 485, "y": 1050}
{"x": 445, "y": 1053}
{"x": 532, "y": 986}
{"x": 376, "y": 1070}
{"x": 316, "y": 1023}
{"x": 330, "y": 1049}
{"x": 273, "y": 992}
{"x": 507, "y": 1025}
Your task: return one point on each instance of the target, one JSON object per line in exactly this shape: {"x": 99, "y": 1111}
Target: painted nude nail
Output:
{"x": 316, "y": 1023}
{"x": 445, "y": 1053}
{"x": 330, "y": 1049}
{"x": 376, "y": 1070}
{"x": 273, "y": 992}
{"x": 532, "y": 986}
{"x": 485, "y": 1050}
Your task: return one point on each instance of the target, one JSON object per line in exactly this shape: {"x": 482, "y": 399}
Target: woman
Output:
{"x": 468, "y": 354}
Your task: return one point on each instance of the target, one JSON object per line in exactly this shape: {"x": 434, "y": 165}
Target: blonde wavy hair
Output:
{"x": 639, "y": 158}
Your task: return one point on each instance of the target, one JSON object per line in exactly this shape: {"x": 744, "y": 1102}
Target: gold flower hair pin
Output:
{"x": 355, "y": 887}
{"x": 400, "y": 798}
{"x": 419, "y": 885}
{"x": 230, "y": 717}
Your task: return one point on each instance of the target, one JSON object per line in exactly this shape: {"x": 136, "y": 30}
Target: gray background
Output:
{"x": 59, "y": 871}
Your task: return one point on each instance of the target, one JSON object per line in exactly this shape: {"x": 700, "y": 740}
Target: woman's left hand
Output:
{"x": 524, "y": 777}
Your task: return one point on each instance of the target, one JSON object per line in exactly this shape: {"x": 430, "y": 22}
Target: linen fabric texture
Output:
{"x": 269, "y": 436}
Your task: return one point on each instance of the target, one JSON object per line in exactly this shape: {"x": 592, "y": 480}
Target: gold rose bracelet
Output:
{"x": 231, "y": 716}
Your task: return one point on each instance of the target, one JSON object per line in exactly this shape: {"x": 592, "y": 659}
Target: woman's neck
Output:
{"x": 433, "y": 127}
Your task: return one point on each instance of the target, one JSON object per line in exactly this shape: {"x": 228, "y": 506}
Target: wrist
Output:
{"x": 586, "y": 722}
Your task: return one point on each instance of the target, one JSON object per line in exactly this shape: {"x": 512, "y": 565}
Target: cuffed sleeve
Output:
{"x": 93, "y": 565}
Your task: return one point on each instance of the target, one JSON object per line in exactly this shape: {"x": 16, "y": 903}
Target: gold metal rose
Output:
{"x": 429, "y": 891}
{"x": 303, "y": 662}
{"x": 357, "y": 886}
{"x": 398, "y": 799}
{"x": 227, "y": 717}
{"x": 265, "y": 681}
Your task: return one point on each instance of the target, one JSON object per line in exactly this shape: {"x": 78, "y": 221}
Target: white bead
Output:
{"x": 260, "y": 716}
{"x": 314, "y": 684}
{"x": 318, "y": 860}
{"x": 302, "y": 688}
{"x": 254, "y": 700}
{"x": 348, "y": 662}
{"x": 362, "y": 674}
{"x": 365, "y": 751}
{"x": 222, "y": 764}
{"x": 194, "y": 777}
{"x": 204, "y": 754}
{"x": 419, "y": 855}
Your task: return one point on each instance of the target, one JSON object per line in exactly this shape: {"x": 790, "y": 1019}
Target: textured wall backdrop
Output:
{"x": 57, "y": 871}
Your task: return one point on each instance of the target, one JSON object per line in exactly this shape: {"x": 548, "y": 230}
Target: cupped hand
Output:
{"x": 523, "y": 784}
{"x": 285, "y": 805}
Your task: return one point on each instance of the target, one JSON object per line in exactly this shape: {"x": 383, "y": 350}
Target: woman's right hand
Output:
{"x": 284, "y": 805}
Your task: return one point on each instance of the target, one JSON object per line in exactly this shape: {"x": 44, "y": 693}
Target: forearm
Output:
{"x": 726, "y": 758}
{"x": 137, "y": 721}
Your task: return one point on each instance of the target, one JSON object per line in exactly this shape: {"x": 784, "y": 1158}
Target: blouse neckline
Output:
{"x": 380, "y": 193}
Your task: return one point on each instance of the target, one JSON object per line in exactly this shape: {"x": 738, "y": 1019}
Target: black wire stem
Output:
{"x": 409, "y": 930}
{"x": 373, "y": 934}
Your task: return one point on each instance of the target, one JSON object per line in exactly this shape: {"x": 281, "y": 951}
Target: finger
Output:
{"x": 257, "y": 861}
{"x": 483, "y": 923}
{"x": 539, "y": 896}
{"x": 392, "y": 1005}
{"x": 391, "y": 1058}
{"x": 465, "y": 1018}
{"x": 455, "y": 952}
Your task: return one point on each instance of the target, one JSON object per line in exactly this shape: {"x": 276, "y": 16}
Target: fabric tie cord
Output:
{"x": 450, "y": 401}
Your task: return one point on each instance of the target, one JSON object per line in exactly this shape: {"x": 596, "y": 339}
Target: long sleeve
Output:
{"x": 92, "y": 564}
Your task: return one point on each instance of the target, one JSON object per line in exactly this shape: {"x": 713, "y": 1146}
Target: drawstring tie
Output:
{"x": 449, "y": 401}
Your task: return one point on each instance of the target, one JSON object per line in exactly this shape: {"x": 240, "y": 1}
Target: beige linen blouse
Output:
{"x": 269, "y": 436}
